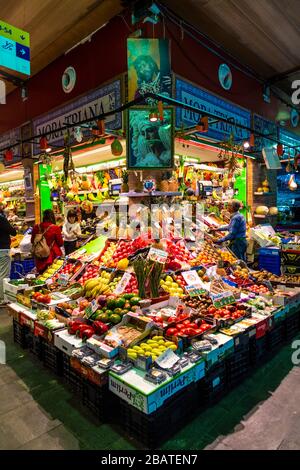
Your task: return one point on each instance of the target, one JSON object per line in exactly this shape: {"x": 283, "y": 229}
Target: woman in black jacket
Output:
{"x": 6, "y": 231}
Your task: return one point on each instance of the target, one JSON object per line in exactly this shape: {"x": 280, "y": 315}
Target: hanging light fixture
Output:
{"x": 202, "y": 125}
{"x": 292, "y": 183}
{"x": 78, "y": 134}
{"x": 100, "y": 130}
{"x": 8, "y": 155}
{"x": 44, "y": 146}
{"x": 296, "y": 161}
{"x": 251, "y": 140}
{"x": 246, "y": 144}
{"x": 153, "y": 116}
{"x": 280, "y": 150}
{"x": 160, "y": 108}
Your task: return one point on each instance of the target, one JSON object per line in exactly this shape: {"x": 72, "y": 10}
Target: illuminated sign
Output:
{"x": 14, "y": 49}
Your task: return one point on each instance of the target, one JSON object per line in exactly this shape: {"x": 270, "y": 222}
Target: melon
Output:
{"x": 273, "y": 211}
{"x": 262, "y": 210}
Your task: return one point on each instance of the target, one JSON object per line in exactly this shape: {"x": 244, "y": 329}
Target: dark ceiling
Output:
{"x": 263, "y": 34}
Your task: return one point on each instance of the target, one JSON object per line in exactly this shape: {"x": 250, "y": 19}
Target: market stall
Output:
{"x": 17, "y": 204}
{"x": 158, "y": 329}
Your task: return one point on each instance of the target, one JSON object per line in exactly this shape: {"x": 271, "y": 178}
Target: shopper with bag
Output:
{"x": 46, "y": 241}
{"x": 6, "y": 231}
{"x": 71, "y": 232}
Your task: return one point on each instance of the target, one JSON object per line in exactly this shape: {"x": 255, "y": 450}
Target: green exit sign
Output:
{"x": 14, "y": 49}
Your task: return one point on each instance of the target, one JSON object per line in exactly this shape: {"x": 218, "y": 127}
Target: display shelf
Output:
{"x": 14, "y": 198}
{"x": 89, "y": 191}
{"x": 153, "y": 193}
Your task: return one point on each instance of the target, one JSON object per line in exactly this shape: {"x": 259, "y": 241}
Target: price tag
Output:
{"x": 91, "y": 308}
{"x": 195, "y": 290}
{"x": 167, "y": 359}
{"x": 190, "y": 277}
{"x": 160, "y": 256}
{"x": 63, "y": 279}
{"x": 49, "y": 281}
{"x": 223, "y": 299}
{"x": 121, "y": 286}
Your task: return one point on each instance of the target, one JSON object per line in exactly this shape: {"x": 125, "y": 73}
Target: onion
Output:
{"x": 101, "y": 300}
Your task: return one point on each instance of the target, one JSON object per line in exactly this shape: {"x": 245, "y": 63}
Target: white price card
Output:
{"x": 167, "y": 359}
{"x": 191, "y": 277}
{"x": 160, "y": 256}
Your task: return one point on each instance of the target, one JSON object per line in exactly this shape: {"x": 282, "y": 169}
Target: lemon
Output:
{"x": 147, "y": 353}
{"x": 123, "y": 263}
{"x": 169, "y": 343}
{"x": 156, "y": 338}
{"x": 156, "y": 351}
{"x": 150, "y": 341}
{"x": 132, "y": 355}
{"x": 173, "y": 347}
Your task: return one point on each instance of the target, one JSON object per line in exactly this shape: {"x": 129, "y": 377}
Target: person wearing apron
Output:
{"x": 236, "y": 231}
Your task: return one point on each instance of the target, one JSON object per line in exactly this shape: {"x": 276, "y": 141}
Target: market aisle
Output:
{"x": 274, "y": 425}
{"x": 23, "y": 423}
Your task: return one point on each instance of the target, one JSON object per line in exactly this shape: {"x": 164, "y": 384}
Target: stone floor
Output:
{"x": 38, "y": 412}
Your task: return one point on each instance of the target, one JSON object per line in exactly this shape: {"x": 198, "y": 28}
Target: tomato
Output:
{"x": 186, "y": 322}
{"x": 212, "y": 309}
{"x": 199, "y": 331}
{"x": 180, "y": 326}
{"x": 193, "y": 325}
{"x": 171, "y": 331}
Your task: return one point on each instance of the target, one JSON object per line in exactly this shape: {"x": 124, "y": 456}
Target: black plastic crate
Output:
{"x": 276, "y": 337}
{"x": 258, "y": 350}
{"x": 73, "y": 380}
{"x": 213, "y": 386}
{"x": 19, "y": 333}
{"x": 292, "y": 326}
{"x": 153, "y": 429}
{"x": 241, "y": 342}
{"x": 52, "y": 357}
{"x": 98, "y": 399}
{"x": 237, "y": 367}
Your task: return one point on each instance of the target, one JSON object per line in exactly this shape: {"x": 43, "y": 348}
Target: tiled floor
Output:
{"x": 38, "y": 412}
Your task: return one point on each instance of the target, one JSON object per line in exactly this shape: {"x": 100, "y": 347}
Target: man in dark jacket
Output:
{"x": 6, "y": 231}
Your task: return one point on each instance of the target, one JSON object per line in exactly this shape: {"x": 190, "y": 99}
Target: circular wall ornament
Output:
{"x": 225, "y": 76}
{"x": 294, "y": 117}
{"x": 68, "y": 79}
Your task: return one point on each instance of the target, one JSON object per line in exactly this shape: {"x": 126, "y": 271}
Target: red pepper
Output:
{"x": 100, "y": 327}
{"x": 86, "y": 332}
{"x": 79, "y": 328}
{"x": 73, "y": 326}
